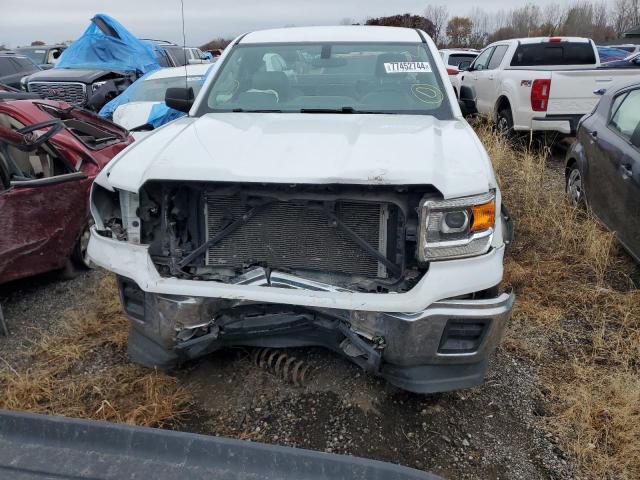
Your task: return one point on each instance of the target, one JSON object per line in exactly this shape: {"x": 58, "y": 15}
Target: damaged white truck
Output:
{"x": 338, "y": 200}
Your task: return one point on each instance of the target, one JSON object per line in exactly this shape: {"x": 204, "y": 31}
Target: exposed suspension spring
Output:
{"x": 283, "y": 365}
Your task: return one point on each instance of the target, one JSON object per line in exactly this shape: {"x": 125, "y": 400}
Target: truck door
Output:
{"x": 487, "y": 81}
{"x": 474, "y": 77}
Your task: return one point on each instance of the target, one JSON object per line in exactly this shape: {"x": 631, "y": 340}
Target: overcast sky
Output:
{"x": 22, "y": 21}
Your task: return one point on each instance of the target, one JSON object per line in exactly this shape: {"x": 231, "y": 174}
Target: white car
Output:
{"x": 345, "y": 203}
{"x": 150, "y": 91}
{"x": 537, "y": 84}
{"x": 452, "y": 58}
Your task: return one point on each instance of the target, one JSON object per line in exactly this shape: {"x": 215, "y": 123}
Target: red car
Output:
{"x": 50, "y": 152}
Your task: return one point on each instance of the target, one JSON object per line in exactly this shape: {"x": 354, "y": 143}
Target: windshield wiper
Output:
{"x": 328, "y": 110}
{"x": 262, "y": 110}
{"x": 343, "y": 110}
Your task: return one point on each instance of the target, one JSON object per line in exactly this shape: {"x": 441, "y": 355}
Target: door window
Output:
{"x": 498, "y": 55}
{"x": 483, "y": 59}
{"x": 626, "y": 117}
{"x": 6, "y": 67}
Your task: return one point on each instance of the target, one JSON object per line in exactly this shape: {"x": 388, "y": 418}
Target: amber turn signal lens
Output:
{"x": 484, "y": 216}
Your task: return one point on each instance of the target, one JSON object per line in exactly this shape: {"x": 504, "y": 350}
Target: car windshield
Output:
{"x": 456, "y": 58}
{"x": 154, "y": 89}
{"x": 329, "y": 77}
{"x": 37, "y": 55}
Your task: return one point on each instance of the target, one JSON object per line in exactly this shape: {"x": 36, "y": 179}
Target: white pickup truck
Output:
{"x": 537, "y": 84}
{"x": 343, "y": 202}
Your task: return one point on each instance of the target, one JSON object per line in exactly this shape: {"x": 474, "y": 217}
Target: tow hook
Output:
{"x": 355, "y": 346}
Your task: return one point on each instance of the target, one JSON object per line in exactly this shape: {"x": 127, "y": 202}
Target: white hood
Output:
{"x": 133, "y": 114}
{"x": 308, "y": 148}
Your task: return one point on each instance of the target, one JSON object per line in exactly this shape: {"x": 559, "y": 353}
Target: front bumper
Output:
{"x": 445, "y": 279}
{"x": 444, "y": 347}
{"x": 443, "y": 343}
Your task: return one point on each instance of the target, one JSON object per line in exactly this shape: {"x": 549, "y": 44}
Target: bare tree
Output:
{"x": 459, "y": 31}
{"x": 438, "y": 15}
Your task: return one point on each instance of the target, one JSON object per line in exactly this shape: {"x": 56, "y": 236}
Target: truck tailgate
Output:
{"x": 572, "y": 90}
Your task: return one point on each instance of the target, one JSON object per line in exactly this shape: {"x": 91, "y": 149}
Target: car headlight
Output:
{"x": 96, "y": 85}
{"x": 457, "y": 228}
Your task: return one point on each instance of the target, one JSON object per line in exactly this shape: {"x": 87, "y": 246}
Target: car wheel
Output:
{"x": 574, "y": 187}
{"x": 504, "y": 122}
{"x": 80, "y": 257}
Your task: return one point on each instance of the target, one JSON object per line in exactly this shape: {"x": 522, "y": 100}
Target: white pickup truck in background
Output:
{"x": 537, "y": 84}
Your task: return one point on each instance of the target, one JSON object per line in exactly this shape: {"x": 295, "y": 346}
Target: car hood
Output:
{"x": 70, "y": 75}
{"x": 309, "y": 148}
{"x": 133, "y": 114}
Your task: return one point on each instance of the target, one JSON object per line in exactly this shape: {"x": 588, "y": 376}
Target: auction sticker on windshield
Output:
{"x": 407, "y": 67}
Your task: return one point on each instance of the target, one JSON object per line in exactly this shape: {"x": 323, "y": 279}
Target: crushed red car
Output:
{"x": 50, "y": 152}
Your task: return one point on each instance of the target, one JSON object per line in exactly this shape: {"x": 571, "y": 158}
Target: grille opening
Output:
{"x": 291, "y": 235}
{"x": 462, "y": 336}
{"x": 71, "y": 92}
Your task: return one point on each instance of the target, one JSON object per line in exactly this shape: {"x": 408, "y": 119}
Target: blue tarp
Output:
{"x": 160, "y": 113}
{"x": 119, "y": 51}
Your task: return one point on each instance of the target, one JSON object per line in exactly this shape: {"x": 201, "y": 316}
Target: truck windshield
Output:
{"x": 37, "y": 55}
{"x": 329, "y": 77}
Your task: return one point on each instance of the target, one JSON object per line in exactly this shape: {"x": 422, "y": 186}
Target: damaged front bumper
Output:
{"x": 443, "y": 343}
{"x": 444, "y": 347}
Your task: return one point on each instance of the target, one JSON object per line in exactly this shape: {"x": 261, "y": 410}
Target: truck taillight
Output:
{"x": 452, "y": 71}
{"x": 540, "y": 95}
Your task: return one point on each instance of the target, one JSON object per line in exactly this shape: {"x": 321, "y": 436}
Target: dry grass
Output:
{"x": 577, "y": 314}
{"x": 60, "y": 380}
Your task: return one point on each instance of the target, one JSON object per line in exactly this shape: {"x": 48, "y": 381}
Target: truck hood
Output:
{"x": 70, "y": 75}
{"x": 309, "y": 148}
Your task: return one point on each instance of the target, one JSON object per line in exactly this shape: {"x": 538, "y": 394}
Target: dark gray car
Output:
{"x": 603, "y": 165}
{"x": 14, "y": 67}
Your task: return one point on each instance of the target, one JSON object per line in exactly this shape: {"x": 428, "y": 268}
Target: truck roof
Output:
{"x": 345, "y": 33}
{"x": 546, "y": 39}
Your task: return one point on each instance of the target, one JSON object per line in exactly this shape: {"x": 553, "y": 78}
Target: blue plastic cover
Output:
{"x": 116, "y": 50}
{"x": 608, "y": 54}
{"x": 160, "y": 114}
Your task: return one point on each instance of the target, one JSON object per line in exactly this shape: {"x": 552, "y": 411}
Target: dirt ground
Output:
{"x": 490, "y": 432}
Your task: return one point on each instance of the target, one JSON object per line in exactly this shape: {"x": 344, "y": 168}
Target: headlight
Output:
{"x": 462, "y": 227}
{"x": 95, "y": 86}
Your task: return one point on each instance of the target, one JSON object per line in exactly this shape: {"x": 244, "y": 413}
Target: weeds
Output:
{"x": 60, "y": 380}
{"x": 577, "y": 314}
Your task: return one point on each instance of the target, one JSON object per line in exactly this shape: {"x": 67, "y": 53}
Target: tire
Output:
{"x": 79, "y": 255}
{"x": 504, "y": 123}
{"x": 574, "y": 186}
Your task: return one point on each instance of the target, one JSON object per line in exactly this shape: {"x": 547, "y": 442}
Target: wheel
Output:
{"x": 79, "y": 256}
{"x": 574, "y": 187}
{"x": 504, "y": 122}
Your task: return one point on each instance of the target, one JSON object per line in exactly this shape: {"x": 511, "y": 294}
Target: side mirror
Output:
{"x": 464, "y": 66}
{"x": 179, "y": 98}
